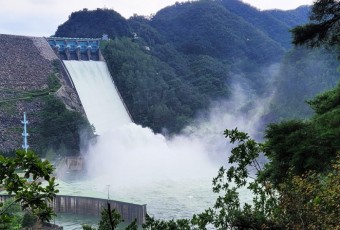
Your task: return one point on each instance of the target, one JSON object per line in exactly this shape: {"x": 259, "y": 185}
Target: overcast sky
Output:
{"x": 42, "y": 17}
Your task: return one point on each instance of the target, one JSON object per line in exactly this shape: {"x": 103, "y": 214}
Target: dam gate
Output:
{"x": 81, "y": 49}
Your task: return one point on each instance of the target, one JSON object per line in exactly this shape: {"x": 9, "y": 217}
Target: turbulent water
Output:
{"x": 171, "y": 175}
{"x": 164, "y": 199}
{"x": 98, "y": 95}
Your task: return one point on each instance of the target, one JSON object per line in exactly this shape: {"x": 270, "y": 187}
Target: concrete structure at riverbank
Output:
{"x": 93, "y": 207}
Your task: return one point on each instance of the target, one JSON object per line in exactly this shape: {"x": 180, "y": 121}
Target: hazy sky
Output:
{"x": 42, "y": 17}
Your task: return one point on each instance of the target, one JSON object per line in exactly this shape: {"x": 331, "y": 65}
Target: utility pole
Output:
{"x": 25, "y": 134}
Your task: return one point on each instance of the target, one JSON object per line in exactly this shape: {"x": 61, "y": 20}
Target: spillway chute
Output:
{"x": 100, "y": 98}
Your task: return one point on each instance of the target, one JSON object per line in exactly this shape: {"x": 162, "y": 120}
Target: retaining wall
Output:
{"x": 93, "y": 207}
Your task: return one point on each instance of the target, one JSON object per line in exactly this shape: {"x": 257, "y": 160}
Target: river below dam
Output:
{"x": 128, "y": 162}
{"x": 166, "y": 199}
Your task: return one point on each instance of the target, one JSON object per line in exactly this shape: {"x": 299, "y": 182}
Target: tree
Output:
{"x": 15, "y": 175}
{"x": 153, "y": 224}
{"x": 311, "y": 201}
{"x": 28, "y": 220}
{"x": 60, "y": 129}
{"x": 111, "y": 221}
{"x": 307, "y": 201}
{"x": 228, "y": 211}
{"x": 324, "y": 27}
{"x": 11, "y": 216}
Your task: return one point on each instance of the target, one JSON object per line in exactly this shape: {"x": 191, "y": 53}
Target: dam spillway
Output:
{"x": 100, "y": 98}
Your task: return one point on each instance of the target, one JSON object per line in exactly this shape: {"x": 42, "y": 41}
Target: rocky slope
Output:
{"x": 27, "y": 63}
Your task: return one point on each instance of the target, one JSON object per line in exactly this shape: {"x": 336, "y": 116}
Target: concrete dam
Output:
{"x": 86, "y": 83}
{"x": 91, "y": 79}
{"x": 89, "y": 76}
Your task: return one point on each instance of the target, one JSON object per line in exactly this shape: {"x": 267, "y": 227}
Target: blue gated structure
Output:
{"x": 76, "y": 48}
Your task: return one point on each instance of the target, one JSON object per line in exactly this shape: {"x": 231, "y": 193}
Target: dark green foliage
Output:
{"x": 326, "y": 101}
{"x": 141, "y": 27}
{"x": 303, "y": 74}
{"x": 275, "y": 24}
{"x": 53, "y": 80}
{"x": 288, "y": 145}
{"x": 208, "y": 28}
{"x": 60, "y": 129}
{"x": 105, "y": 224}
{"x": 132, "y": 226}
{"x": 10, "y": 215}
{"x": 208, "y": 76}
{"x": 156, "y": 94}
{"x": 31, "y": 196}
{"x": 87, "y": 227}
{"x": 299, "y": 145}
{"x": 152, "y": 224}
{"x": 109, "y": 223}
{"x": 93, "y": 24}
{"x": 324, "y": 26}
{"x": 28, "y": 220}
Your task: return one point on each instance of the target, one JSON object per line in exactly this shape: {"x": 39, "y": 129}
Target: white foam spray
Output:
{"x": 172, "y": 175}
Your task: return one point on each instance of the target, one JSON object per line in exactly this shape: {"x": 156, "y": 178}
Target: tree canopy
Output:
{"x": 22, "y": 176}
{"x": 93, "y": 24}
{"x": 324, "y": 28}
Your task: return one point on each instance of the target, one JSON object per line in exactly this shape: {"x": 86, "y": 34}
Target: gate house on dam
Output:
{"x": 84, "y": 49}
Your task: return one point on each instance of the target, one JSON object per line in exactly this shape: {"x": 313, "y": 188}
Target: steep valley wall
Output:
{"x": 25, "y": 66}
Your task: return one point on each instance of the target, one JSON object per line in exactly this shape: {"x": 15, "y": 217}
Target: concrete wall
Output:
{"x": 93, "y": 207}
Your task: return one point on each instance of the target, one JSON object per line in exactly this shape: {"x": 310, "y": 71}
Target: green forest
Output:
{"x": 170, "y": 67}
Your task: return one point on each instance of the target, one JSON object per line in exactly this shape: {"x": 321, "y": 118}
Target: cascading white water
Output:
{"x": 98, "y": 95}
{"x": 172, "y": 176}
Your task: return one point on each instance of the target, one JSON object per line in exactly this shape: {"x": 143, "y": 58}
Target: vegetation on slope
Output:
{"x": 208, "y": 28}
{"x": 169, "y": 67}
{"x": 163, "y": 83}
{"x": 155, "y": 94}
{"x": 299, "y": 145}
{"x": 60, "y": 130}
{"x": 303, "y": 73}
{"x": 93, "y": 24}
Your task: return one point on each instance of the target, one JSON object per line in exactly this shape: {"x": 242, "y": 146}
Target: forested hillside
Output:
{"x": 303, "y": 74}
{"x": 93, "y": 24}
{"x": 274, "y": 23}
{"x": 169, "y": 67}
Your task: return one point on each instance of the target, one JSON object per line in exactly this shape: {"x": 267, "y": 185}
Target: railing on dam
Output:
{"x": 93, "y": 206}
